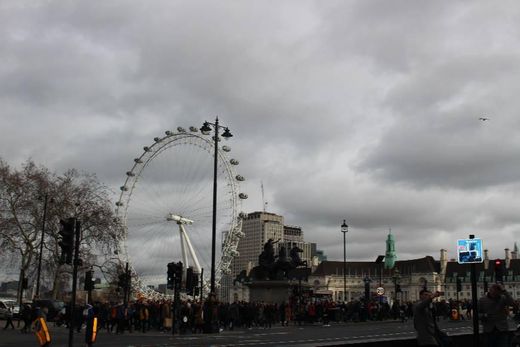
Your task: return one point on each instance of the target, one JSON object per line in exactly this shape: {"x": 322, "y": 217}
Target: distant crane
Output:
{"x": 264, "y": 203}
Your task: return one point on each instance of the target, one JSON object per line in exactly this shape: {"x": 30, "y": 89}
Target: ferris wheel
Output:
{"x": 166, "y": 209}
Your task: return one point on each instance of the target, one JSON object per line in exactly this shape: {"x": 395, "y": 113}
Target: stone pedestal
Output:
{"x": 270, "y": 291}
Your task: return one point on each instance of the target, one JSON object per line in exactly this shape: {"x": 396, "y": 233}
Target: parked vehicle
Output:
{"x": 9, "y": 303}
{"x": 54, "y": 307}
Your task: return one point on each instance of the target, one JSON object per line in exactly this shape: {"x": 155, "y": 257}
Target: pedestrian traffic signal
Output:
{"x": 459, "y": 285}
{"x": 499, "y": 271}
{"x": 67, "y": 240}
{"x": 89, "y": 281}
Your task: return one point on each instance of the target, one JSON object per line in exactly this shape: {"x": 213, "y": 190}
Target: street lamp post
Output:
{"x": 367, "y": 281}
{"x": 379, "y": 260}
{"x": 344, "y": 230}
{"x": 206, "y": 128}
{"x": 396, "y": 277}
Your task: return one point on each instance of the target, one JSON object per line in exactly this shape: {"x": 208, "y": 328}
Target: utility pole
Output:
{"x": 46, "y": 197}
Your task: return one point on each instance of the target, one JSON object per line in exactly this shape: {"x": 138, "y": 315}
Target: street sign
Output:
{"x": 469, "y": 251}
{"x": 380, "y": 291}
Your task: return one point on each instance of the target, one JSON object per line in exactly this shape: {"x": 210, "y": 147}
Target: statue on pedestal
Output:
{"x": 273, "y": 267}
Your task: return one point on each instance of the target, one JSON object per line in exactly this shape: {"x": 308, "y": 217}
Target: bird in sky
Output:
{"x": 483, "y": 119}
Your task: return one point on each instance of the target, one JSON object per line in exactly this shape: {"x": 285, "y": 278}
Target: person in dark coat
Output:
{"x": 26, "y": 317}
{"x": 423, "y": 319}
{"x": 493, "y": 310}
{"x": 89, "y": 321}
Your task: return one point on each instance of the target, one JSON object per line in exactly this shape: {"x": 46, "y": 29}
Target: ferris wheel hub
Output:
{"x": 179, "y": 219}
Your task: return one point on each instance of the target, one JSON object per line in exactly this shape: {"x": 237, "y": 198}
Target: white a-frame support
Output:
{"x": 186, "y": 246}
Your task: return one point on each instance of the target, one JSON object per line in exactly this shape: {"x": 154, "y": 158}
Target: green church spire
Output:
{"x": 390, "y": 255}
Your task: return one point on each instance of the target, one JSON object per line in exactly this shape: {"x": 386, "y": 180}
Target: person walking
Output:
{"x": 26, "y": 317}
{"x": 9, "y": 318}
{"x": 493, "y": 311}
{"x": 90, "y": 328}
{"x": 424, "y": 319}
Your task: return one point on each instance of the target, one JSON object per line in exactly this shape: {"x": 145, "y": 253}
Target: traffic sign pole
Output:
{"x": 474, "y": 302}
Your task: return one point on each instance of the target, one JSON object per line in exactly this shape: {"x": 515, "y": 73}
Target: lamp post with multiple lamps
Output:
{"x": 206, "y": 128}
{"x": 344, "y": 230}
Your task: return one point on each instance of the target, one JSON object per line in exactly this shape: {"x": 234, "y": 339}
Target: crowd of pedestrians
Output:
{"x": 198, "y": 317}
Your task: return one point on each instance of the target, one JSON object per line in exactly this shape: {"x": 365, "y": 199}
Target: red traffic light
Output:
{"x": 498, "y": 262}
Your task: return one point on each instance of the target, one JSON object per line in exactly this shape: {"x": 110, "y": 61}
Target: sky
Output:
{"x": 366, "y": 111}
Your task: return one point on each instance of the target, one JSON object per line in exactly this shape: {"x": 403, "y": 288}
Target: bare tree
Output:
{"x": 72, "y": 194}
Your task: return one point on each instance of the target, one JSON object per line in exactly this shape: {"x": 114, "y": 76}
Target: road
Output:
{"x": 308, "y": 335}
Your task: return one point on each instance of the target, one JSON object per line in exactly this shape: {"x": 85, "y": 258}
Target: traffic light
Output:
{"x": 189, "y": 281}
{"x": 499, "y": 270}
{"x": 459, "y": 285}
{"x": 89, "y": 281}
{"x": 67, "y": 240}
{"x": 123, "y": 282}
{"x": 174, "y": 276}
{"x": 192, "y": 281}
{"x": 178, "y": 276}
{"x": 170, "y": 275}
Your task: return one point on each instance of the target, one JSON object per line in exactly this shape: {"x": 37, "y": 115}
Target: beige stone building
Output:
{"x": 258, "y": 227}
{"x": 410, "y": 275}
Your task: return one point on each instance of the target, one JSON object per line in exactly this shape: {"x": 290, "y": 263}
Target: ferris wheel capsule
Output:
{"x": 234, "y": 162}
{"x": 147, "y": 149}
{"x": 193, "y": 129}
{"x": 130, "y": 174}
{"x": 181, "y": 129}
{"x": 138, "y": 160}
{"x": 242, "y": 196}
{"x": 240, "y": 178}
{"x": 226, "y": 148}
{"x": 168, "y": 133}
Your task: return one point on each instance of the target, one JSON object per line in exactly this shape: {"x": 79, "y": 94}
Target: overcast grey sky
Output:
{"x": 360, "y": 110}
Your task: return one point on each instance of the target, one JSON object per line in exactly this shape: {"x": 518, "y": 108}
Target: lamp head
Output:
{"x": 344, "y": 227}
{"x": 205, "y": 128}
{"x": 227, "y": 134}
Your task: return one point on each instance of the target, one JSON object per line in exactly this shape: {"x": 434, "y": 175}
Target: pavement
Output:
{"x": 306, "y": 335}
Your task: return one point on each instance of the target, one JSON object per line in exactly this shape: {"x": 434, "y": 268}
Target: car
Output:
{"x": 54, "y": 307}
{"x": 5, "y": 304}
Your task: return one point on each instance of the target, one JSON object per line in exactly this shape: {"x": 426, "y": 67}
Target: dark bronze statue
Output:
{"x": 277, "y": 267}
